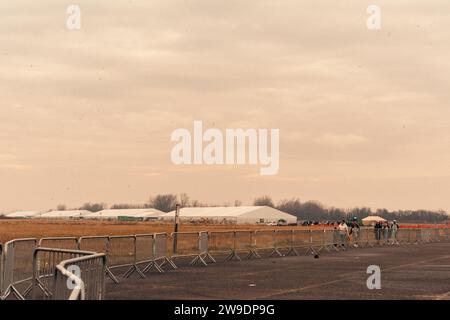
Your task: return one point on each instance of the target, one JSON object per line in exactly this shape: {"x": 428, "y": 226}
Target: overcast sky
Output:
{"x": 86, "y": 115}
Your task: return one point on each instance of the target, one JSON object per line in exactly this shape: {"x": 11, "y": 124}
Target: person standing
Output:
{"x": 386, "y": 232}
{"x": 354, "y": 231}
{"x": 343, "y": 233}
{"x": 377, "y": 230}
{"x": 394, "y": 231}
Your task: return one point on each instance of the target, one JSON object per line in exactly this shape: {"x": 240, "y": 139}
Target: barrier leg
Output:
{"x": 233, "y": 254}
{"x": 131, "y": 270}
{"x": 153, "y": 264}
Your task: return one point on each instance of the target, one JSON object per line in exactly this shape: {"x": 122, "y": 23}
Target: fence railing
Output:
{"x": 17, "y": 268}
{"x": 70, "y": 243}
{"x": 86, "y": 282}
{"x": 45, "y": 261}
{"x": 26, "y": 265}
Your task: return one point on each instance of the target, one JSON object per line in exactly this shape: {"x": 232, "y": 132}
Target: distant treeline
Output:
{"x": 309, "y": 210}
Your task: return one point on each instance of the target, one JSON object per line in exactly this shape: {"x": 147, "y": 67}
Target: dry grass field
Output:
{"x": 13, "y": 229}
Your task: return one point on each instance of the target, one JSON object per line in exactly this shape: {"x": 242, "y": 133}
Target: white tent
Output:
{"x": 370, "y": 220}
{"x": 64, "y": 214}
{"x": 239, "y": 215}
{"x": 114, "y": 214}
{"x": 23, "y": 214}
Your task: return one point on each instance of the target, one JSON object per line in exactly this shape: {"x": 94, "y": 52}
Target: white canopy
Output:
{"x": 372, "y": 219}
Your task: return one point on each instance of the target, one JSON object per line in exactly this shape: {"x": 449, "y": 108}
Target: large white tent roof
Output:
{"x": 23, "y": 214}
{"x": 65, "y": 214}
{"x": 115, "y": 213}
{"x": 231, "y": 212}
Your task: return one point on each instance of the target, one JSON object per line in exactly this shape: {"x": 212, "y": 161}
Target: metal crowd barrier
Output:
{"x": 160, "y": 254}
{"x": 302, "y": 240}
{"x": 89, "y": 284}
{"x": 264, "y": 241}
{"x": 121, "y": 254}
{"x": 97, "y": 244}
{"x": 17, "y": 273}
{"x": 191, "y": 244}
{"x": 221, "y": 243}
{"x": 283, "y": 245}
{"x": 203, "y": 250}
{"x": 70, "y": 243}
{"x": 44, "y": 265}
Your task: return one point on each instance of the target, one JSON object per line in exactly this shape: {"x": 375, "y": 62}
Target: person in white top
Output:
{"x": 343, "y": 232}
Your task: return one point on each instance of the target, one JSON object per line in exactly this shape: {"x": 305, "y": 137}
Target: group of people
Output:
{"x": 383, "y": 230}
{"x": 387, "y": 231}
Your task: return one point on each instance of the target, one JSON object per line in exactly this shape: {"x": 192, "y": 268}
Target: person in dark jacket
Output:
{"x": 377, "y": 230}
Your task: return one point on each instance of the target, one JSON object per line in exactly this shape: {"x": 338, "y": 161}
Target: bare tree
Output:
{"x": 163, "y": 202}
{"x": 127, "y": 206}
{"x": 93, "y": 207}
{"x": 184, "y": 200}
{"x": 264, "y": 201}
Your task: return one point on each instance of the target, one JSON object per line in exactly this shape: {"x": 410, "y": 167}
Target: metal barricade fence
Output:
{"x": 441, "y": 234}
{"x": 189, "y": 244}
{"x": 404, "y": 236}
{"x": 331, "y": 241}
{"x": 425, "y": 235}
{"x": 417, "y": 234}
{"x": 284, "y": 243}
{"x": 44, "y": 265}
{"x": 244, "y": 244}
{"x": 143, "y": 253}
{"x": 203, "y": 250}
{"x": 302, "y": 240}
{"x": 87, "y": 283}
{"x": 99, "y": 244}
{"x": 316, "y": 240}
{"x": 70, "y": 243}
{"x": 222, "y": 243}
{"x": 183, "y": 244}
{"x": 436, "y": 235}
{"x": 445, "y": 234}
{"x": 160, "y": 254}
{"x": 18, "y": 268}
{"x": 413, "y": 236}
{"x": 265, "y": 241}
{"x": 122, "y": 253}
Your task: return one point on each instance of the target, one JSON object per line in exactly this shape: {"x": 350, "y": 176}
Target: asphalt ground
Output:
{"x": 417, "y": 271}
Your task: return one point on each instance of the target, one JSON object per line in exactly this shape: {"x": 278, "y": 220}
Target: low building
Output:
{"x": 125, "y": 214}
{"x": 232, "y": 215}
{"x": 23, "y": 214}
{"x": 65, "y": 214}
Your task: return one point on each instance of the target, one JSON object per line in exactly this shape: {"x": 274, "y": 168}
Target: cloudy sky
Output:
{"x": 86, "y": 115}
